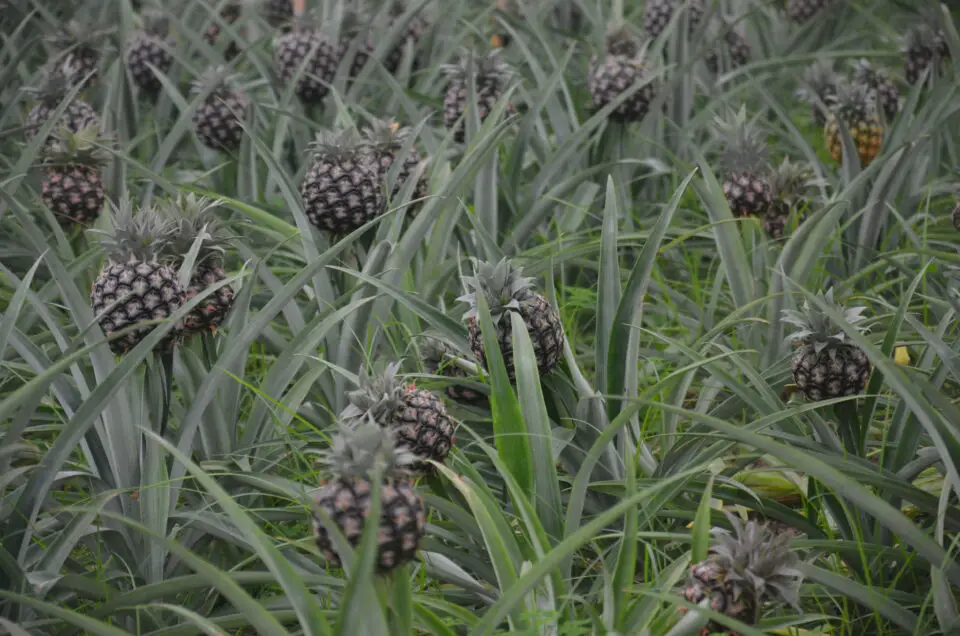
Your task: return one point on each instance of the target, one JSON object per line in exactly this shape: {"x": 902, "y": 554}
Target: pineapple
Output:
{"x": 385, "y": 139}
{"x": 136, "y": 285}
{"x": 278, "y": 13}
{"x": 801, "y": 11}
{"x": 789, "y": 182}
{"x": 218, "y": 120}
{"x": 826, "y": 365}
{"x": 507, "y": 291}
{"x": 416, "y": 417}
{"x": 193, "y": 217}
{"x": 73, "y": 186}
{"x": 658, "y": 14}
{"x": 745, "y": 570}
{"x": 738, "y": 49}
{"x": 924, "y": 45}
{"x": 290, "y": 52}
{"x": 438, "y": 358}
{"x": 77, "y": 116}
{"x": 880, "y": 86}
{"x": 622, "y": 67}
{"x": 342, "y": 191}
{"x": 150, "y": 45}
{"x": 746, "y": 183}
{"x": 956, "y": 216}
{"x": 358, "y": 456}
{"x": 820, "y": 89}
{"x": 412, "y": 32}
{"x": 858, "y": 111}
{"x": 230, "y": 13}
{"x": 78, "y": 43}
{"x": 489, "y": 74}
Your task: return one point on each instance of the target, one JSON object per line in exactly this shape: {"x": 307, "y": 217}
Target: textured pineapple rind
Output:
{"x": 74, "y": 193}
{"x": 218, "y": 121}
{"x": 423, "y": 427}
{"x": 313, "y": 84}
{"x": 747, "y": 194}
{"x": 455, "y": 103}
{"x": 143, "y": 49}
{"x": 402, "y": 520}
{"x": 208, "y": 316}
{"x": 867, "y": 134}
{"x": 837, "y": 371}
{"x": 658, "y": 13}
{"x": 609, "y": 79}
{"x": 342, "y": 196}
{"x": 76, "y": 116}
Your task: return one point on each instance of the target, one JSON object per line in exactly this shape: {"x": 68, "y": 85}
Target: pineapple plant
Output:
{"x": 489, "y": 75}
{"x": 359, "y": 456}
{"x": 385, "y": 140}
{"x": 744, "y": 571}
{"x": 73, "y": 185}
{"x": 148, "y": 46}
{"x": 622, "y": 67}
{"x": 738, "y": 50}
{"x": 342, "y": 190}
{"x": 746, "y": 183}
{"x": 924, "y": 46}
{"x": 802, "y": 11}
{"x": 416, "y": 417}
{"x": 790, "y": 180}
{"x": 880, "y": 86}
{"x": 316, "y": 54}
{"x": 820, "y": 89}
{"x": 507, "y": 291}
{"x": 192, "y": 218}
{"x": 956, "y": 216}
{"x": 278, "y": 13}
{"x": 77, "y": 115}
{"x": 857, "y": 110}
{"x": 825, "y": 365}
{"x": 78, "y": 43}
{"x": 439, "y": 359}
{"x": 218, "y": 120}
{"x": 230, "y": 13}
{"x": 136, "y": 285}
{"x": 412, "y": 32}
{"x": 658, "y": 14}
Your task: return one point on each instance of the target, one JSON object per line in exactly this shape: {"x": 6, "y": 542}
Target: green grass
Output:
{"x": 573, "y": 503}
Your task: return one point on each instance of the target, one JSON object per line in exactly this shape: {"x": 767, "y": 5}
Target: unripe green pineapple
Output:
{"x": 880, "y": 86}
{"x": 857, "y": 109}
{"x": 744, "y": 571}
{"x": 826, "y": 365}
{"x": 218, "y": 120}
{"x": 440, "y": 358}
{"x": 416, "y": 417}
{"x": 490, "y": 76}
{"x": 359, "y": 456}
{"x": 195, "y": 217}
{"x": 151, "y": 45}
{"x": 507, "y": 291}
{"x": 72, "y": 187}
{"x": 76, "y": 116}
{"x": 385, "y": 140}
{"x": 316, "y": 54}
{"x": 924, "y": 46}
{"x": 801, "y": 11}
{"x": 658, "y": 14}
{"x": 820, "y": 89}
{"x": 136, "y": 285}
{"x": 78, "y": 43}
{"x": 746, "y": 182}
{"x": 622, "y": 66}
{"x": 789, "y": 184}
{"x": 342, "y": 191}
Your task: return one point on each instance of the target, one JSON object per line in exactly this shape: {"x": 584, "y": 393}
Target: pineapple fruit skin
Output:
{"x": 658, "y": 13}
{"x": 929, "y": 50}
{"x": 707, "y": 580}
{"x": 209, "y": 316}
{"x": 834, "y": 372}
{"x": 313, "y": 84}
{"x": 402, "y": 519}
{"x": 74, "y": 193}
{"x": 546, "y": 333}
{"x": 143, "y": 49}
{"x": 423, "y": 427}
{"x": 84, "y": 64}
{"x": 384, "y": 160}
{"x": 867, "y": 134}
{"x": 218, "y": 121}
{"x": 278, "y": 13}
{"x": 802, "y": 11}
{"x": 230, "y": 14}
{"x": 134, "y": 292}
{"x": 747, "y": 194}
{"x": 739, "y": 49}
{"x": 76, "y": 116}
{"x": 343, "y": 195}
{"x": 455, "y": 103}
{"x": 606, "y": 80}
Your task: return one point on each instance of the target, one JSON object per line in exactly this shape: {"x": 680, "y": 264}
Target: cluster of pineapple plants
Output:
{"x": 479, "y": 317}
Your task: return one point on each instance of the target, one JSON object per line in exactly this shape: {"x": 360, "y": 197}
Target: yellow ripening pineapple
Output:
{"x": 857, "y": 109}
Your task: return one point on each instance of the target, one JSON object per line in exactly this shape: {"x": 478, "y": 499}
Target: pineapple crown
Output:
{"x": 926, "y": 35}
{"x": 155, "y": 23}
{"x": 378, "y": 395}
{"x": 743, "y": 149}
{"x": 385, "y": 134}
{"x": 55, "y": 84}
{"x": 855, "y": 102}
{"x": 366, "y": 450}
{"x": 334, "y": 145}
{"x": 194, "y": 217}
{"x": 68, "y": 148}
{"x": 865, "y": 73}
{"x": 135, "y": 234}
{"x": 78, "y": 34}
{"x": 434, "y": 350}
{"x": 214, "y": 81}
{"x": 820, "y": 81}
{"x": 757, "y": 562}
{"x": 816, "y": 328}
{"x": 618, "y": 40}
{"x": 791, "y": 179}
{"x": 487, "y": 67}
{"x": 501, "y": 284}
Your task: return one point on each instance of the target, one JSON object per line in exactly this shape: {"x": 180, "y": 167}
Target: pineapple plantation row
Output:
{"x": 450, "y": 317}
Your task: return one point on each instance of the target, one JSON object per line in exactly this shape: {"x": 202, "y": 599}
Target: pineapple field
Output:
{"x": 470, "y": 317}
